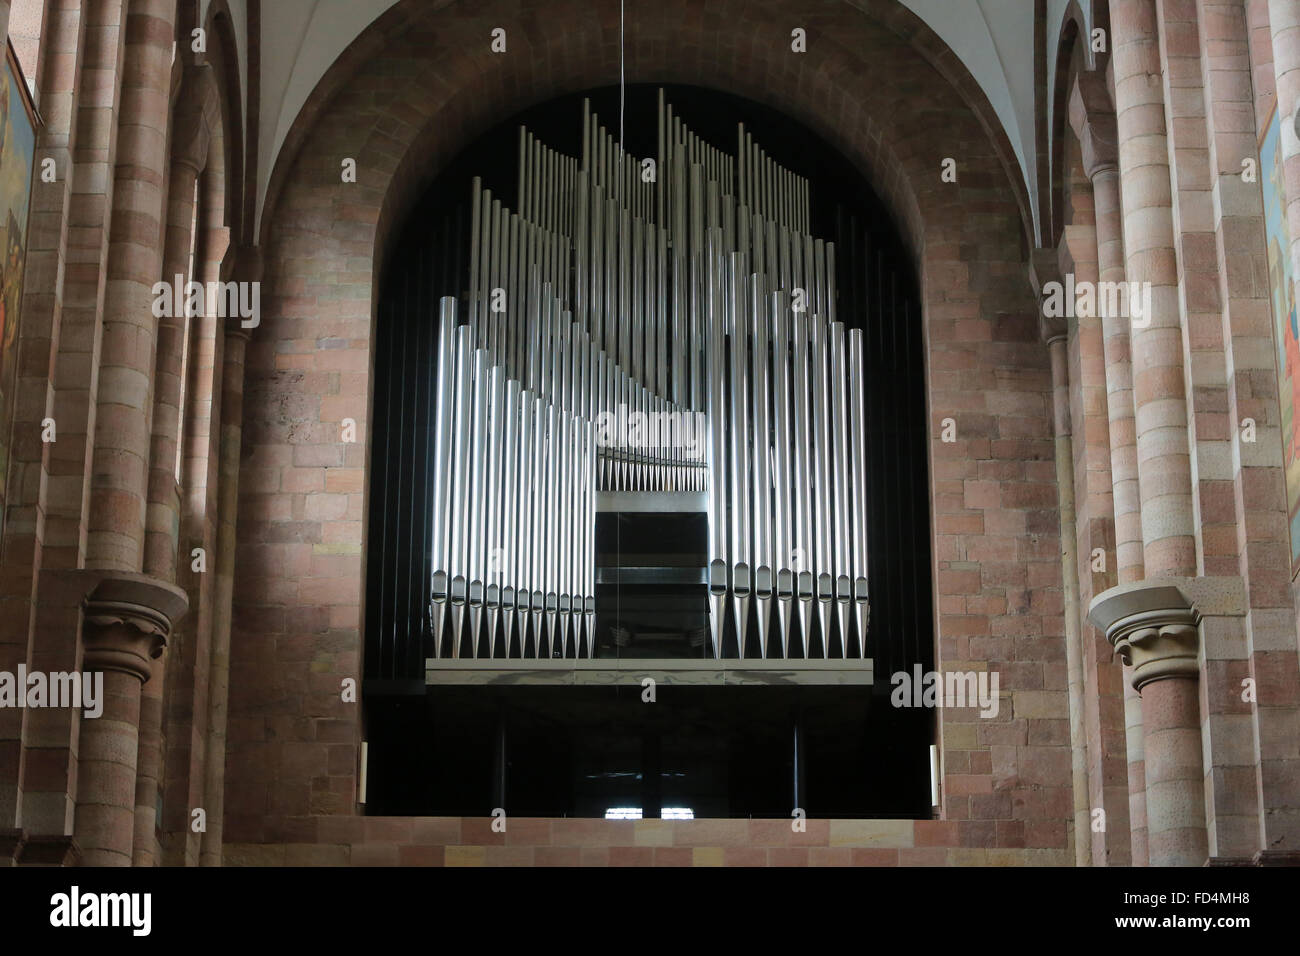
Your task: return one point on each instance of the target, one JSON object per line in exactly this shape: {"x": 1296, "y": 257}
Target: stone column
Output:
{"x": 1272, "y": 830}
{"x": 162, "y": 523}
{"x": 1093, "y": 119}
{"x": 126, "y": 622}
{"x": 1053, "y": 331}
{"x": 119, "y": 480}
{"x": 29, "y": 481}
{"x": 248, "y": 269}
{"x": 1175, "y": 801}
{"x": 1153, "y": 627}
{"x": 1160, "y": 404}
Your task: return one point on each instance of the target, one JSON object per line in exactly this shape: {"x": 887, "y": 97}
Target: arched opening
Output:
{"x": 884, "y": 91}
{"x": 718, "y": 751}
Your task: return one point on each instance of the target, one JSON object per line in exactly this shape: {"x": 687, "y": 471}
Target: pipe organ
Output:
{"x": 647, "y": 325}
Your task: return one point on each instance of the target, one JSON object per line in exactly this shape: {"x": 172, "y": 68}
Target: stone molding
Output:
{"x": 127, "y": 619}
{"x": 1154, "y": 625}
{"x": 50, "y": 850}
{"x": 1044, "y": 267}
{"x": 1092, "y": 117}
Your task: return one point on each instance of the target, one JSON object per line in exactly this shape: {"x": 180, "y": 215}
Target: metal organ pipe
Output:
{"x": 696, "y": 305}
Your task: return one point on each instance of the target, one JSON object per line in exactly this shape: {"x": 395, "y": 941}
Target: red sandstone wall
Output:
{"x": 291, "y": 768}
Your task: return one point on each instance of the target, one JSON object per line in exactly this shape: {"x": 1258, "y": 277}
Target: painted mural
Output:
{"x": 17, "y": 146}
{"x": 1286, "y": 327}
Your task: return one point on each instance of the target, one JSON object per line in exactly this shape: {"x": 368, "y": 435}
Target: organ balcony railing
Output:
{"x": 650, "y": 326}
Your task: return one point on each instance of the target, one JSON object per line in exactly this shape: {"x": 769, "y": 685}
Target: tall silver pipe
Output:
{"x": 651, "y": 307}
{"x": 858, "y": 424}
{"x": 830, "y": 283}
{"x": 562, "y": 537}
{"x": 508, "y": 319}
{"x": 541, "y": 512}
{"x": 659, "y": 165}
{"x": 440, "y": 532}
{"x": 478, "y": 490}
{"x": 823, "y": 499}
{"x": 821, "y": 307}
{"x": 742, "y": 196}
{"x": 843, "y": 525}
{"x": 488, "y": 339}
{"x": 573, "y": 484}
{"x": 695, "y": 335}
{"x": 475, "y": 243}
{"x": 526, "y": 518}
{"x": 804, "y": 550}
{"x": 742, "y": 583}
{"x": 597, "y": 324}
{"x": 783, "y": 493}
{"x": 662, "y": 311}
{"x": 773, "y": 247}
{"x": 680, "y": 279}
{"x": 495, "y": 490}
{"x": 783, "y": 248}
{"x": 637, "y": 323}
{"x": 612, "y": 265}
{"x": 551, "y": 551}
{"x": 625, "y": 262}
{"x": 461, "y": 489}
{"x": 762, "y": 458}
{"x": 589, "y": 576}
{"x": 477, "y": 316}
{"x": 582, "y": 195}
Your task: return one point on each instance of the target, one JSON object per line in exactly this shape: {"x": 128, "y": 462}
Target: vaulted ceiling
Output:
{"x": 994, "y": 39}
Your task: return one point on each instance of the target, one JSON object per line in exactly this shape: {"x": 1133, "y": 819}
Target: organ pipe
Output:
{"x": 650, "y": 334}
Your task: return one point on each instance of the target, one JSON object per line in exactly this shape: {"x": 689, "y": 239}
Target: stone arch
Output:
{"x": 420, "y": 84}
{"x": 1073, "y": 40}
{"x": 752, "y": 58}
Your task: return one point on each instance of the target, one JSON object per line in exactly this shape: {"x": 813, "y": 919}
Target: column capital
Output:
{"x": 127, "y": 620}
{"x": 1153, "y": 627}
{"x": 1045, "y": 267}
{"x": 1092, "y": 117}
{"x": 243, "y": 263}
{"x": 190, "y": 138}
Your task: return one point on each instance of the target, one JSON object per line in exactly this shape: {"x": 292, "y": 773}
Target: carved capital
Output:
{"x": 1159, "y": 652}
{"x": 191, "y": 138}
{"x": 1092, "y": 117}
{"x": 1153, "y": 627}
{"x": 126, "y": 621}
{"x": 1045, "y": 267}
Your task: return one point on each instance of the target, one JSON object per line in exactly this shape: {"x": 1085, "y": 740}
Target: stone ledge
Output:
{"x": 138, "y": 600}
{"x": 50, "y": 850}
{"x": 1207, "y": 596}
{"x": 1153, "y": 624}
